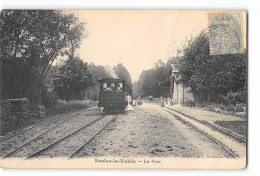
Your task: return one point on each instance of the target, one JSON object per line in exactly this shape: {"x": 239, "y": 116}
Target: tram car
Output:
{"x": 112, "y": 95}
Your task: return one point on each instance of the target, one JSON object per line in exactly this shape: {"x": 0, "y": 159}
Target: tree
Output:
{"x": 155, "y": 81}
{"x": 122, "y": 73}
{"x": 98, "y": 72}
{"x": 211, "y": 76}
{"x": 72, "y": 80}
{"x": 30, "y": 42}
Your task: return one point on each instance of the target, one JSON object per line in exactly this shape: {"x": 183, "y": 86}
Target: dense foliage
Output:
{"x": 31, "y": 40}
{"x": 122, "y": 73}
{"x": 155, "y": 81}
{"x": 72, "y": 79}
{"x": 77, "y": 80}
{"x": 212, "y": 78}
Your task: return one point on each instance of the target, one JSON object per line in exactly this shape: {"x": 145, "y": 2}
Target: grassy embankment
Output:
{"x": 235, "y": 110}
{"x": 69, "y": 106}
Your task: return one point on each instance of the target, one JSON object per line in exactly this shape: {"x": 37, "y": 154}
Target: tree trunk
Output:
{"x": 14, "y": 57}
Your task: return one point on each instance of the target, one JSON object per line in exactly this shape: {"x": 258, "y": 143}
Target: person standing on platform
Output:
{"x": 162, "y": 102}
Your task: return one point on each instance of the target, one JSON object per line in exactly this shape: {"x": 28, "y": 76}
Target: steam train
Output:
{"x": 113, "y": 95}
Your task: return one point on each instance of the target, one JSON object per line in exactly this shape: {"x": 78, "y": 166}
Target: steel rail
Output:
{"x": 58, "y": 140}
{"x": 224, "y": 131}
{"x": 90, "y": 139}
{"x": 10, "y": 153}
{"x": 34, "y": 126}
{"x": 207, "y": 135}
{"x": 213, "y": 126}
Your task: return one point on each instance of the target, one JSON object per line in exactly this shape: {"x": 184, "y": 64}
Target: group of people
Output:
{"x": 110, "y": 89}
{"x": 168, "y": 100}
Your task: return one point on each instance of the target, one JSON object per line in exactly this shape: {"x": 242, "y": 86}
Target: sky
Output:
{"x": 136, "y": 38}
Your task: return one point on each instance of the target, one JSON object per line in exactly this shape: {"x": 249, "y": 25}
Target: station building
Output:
{"x": 181, "y": 91}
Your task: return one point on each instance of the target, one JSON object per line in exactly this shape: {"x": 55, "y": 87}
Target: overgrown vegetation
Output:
{"x": 31, "y": 42}
{"x": 217, "y": 82}
{"x": 213, "y": 77}
{"x": 155, "y": 81}
{"x": 68, "y": 106}
{"x": 72, "y": 79}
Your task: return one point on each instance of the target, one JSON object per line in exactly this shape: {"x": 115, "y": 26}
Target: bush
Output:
{"x": 231, "y": 109}
{"x": 233, "y": 98}
{"x": 49, "y": 99}
{"x": 63, "y": 106}
{"x": 240, "y": 108}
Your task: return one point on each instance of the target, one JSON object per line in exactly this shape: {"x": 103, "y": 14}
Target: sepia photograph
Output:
{"x": 159, "y": 89}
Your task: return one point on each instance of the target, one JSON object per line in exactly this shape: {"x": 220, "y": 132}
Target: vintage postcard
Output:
{"x": 157, "y": 89}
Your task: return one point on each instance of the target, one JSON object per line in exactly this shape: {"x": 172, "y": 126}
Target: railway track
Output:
{"x": 56, "y": 142}
{"x": 38, "y": 136}
{"x": 32, "y": 127}
{"x": 23, "y": 137}
{"x": 215, "y": 127}
{"x": 10, "y": 148}
{"x": 90, "y": 139}
{"x": 50, "y": 119}
{"x": 215, "y": 140}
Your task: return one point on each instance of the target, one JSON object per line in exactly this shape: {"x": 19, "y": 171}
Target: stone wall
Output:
{"x": 15, "y": 108}
{"x": 20, "y": 108}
